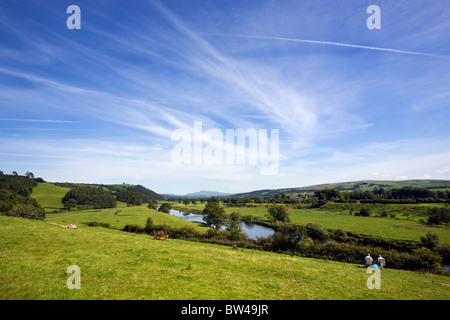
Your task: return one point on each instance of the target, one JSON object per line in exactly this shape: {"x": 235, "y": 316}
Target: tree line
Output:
{"x": 380, "y": 195}
{"x": 15, "y": 200}
{"x": 102, "y": 197}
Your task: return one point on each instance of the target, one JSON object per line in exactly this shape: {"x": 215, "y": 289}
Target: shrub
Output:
{"x": 97, "y": 224}
{"x": 444, "y": 251}
{"x": 340, "y": 235}
{"x": 439, "y": 215}
{"x": 152, "y": 205}
{"x": 423, "y": 258}
{"x": 316, "y": 232}
{"x": 27, "y": 210}
{"x": 365, "y": 212}
{"x": 430, "y": 241}
{"x": 148, "y": 225}
{"x": 133, "y": 228}
{"x": 248, "y": 219}
{"x": 165, "y": 207}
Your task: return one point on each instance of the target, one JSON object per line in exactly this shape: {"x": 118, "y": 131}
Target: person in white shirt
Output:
{"x": 381, "y": 261}
{"x": 368, "y": 259}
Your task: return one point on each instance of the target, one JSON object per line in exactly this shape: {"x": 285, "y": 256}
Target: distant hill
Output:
{"x": 361, "y": 185}
{"x": 199, "y": 194}
{"x": 150, "y": 194}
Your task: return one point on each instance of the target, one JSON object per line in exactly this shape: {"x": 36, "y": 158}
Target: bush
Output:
{"x": 97, "y": 224}
{"x": 148, "y": 225}
{"x": 365, "y": 212}
{"x": 152, "y": 205}
{"x": 234, "y": 231}
{"x": 133, "y": 228}
{"x": 444, "y": 252}
{"x": 27, "y": 210}
{"x": 340, "y": 235}
{"x": 423, "y": 258}
{"x": 165, "y": 207}
{"x": 430, "y": 241}
{"x": 316, "y": 232}
{"x": 439, "y": 215}
{"x": 248, "y": 219}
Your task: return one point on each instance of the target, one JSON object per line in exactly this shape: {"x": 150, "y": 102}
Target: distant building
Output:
{"x": 299, "y": 198}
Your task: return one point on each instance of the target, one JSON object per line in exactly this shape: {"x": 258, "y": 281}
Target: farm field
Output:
{"x": 120, "y": 216}
{"x": 119, "y": 265}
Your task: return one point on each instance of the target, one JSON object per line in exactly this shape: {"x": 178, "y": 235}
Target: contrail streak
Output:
{"x": 340, "y": 44}
{"x": 41, "y": 120}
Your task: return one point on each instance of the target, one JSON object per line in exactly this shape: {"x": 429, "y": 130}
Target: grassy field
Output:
{"x": 49, "y": 196}
{"x": 118, "y": 265}
{"x": 121, "y": 216}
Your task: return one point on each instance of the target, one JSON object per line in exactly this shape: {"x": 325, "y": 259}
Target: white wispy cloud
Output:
{"x": 329, "y": 43}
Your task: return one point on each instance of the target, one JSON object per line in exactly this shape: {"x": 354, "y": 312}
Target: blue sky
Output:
{"x": 99, "y": 104}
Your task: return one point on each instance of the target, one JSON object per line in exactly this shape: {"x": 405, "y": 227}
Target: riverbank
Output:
{"x": 251, "y": 230}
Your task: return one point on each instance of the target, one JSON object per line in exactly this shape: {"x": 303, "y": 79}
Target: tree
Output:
{"x": 165, "y": 207}
{"x": 29, "y": 175}
{"x": 329, "y": 195}
{"x": 153, "y": 204}
{"x": 214, "y": 214}
{"x": 365, "y": 212}
{"x": 71, "y": 203}
{"x": 235, "y": 230}
{"x": 279, "y": 212}
{"x": 430, "y": 241}
{"x": 131, "y": 197}
{"x": 91, "y": 197}
{"x": 439, "y": 215}
{"x": 149, "y": 225}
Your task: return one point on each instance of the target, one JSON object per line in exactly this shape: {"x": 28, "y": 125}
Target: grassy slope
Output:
{"x": 118, "y": 265}
{"x": 49, "y": 196}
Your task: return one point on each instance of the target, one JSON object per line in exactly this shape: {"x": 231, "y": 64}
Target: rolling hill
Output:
{"x": 361, "y": 185}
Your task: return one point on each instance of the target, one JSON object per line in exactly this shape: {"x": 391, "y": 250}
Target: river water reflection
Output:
{"x": 252, "y": 230}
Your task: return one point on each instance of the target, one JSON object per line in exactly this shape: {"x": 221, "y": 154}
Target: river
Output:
{"x": 253, "y": 231}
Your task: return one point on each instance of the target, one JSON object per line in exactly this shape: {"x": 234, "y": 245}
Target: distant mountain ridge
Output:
{"x": 199, "y": 194}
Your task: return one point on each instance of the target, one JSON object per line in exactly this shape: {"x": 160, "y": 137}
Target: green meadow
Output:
{"x": 114, "y": 264}
{"x": 119, "y": 217}
{"x": 35, "y": 256}
{"x": 49, "y": 195}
